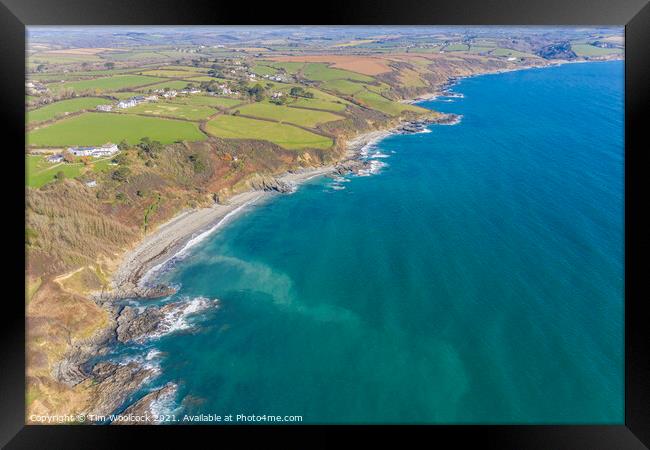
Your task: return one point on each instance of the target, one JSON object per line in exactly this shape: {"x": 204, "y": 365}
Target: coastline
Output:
{"x": 139, "y": 267}
{"x": 174, "y": 237}
{"x": 160, "y": 247}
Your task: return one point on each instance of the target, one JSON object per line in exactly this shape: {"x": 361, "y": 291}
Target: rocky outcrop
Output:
{"x": 351, "y": 166}
{"x": 116, "y": 382}
{"x": 262, "y": 183}
{"x": 143, "y": 411}
{"x": 134, "y": 326}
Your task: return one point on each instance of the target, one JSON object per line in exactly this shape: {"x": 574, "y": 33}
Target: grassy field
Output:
{"x": 60, "y": 109}
{"x": 591, "y": 50}
{"x": 204, "y": 100}
{"x": 123, "y": 95}
{"x": 343, "y": 86}
{"x": 169, "y": 109}
{"x": 376, "y": 101}
{"x": 177, "y": 84}
{"x": 456, "y": 48}
{"x": 289, "y": 67}
{"x": 287, "y": 136}
{"x": 40, "y": 172}
{"x": 261, "y": 70}
{"x": 303, "y": 117}
{"x": 105, "y": 84}
{"x": 510, "y": 52}
{"x": 74, "y": 75}
{"x": 100, "y": 128}
{"x": 186, "y": 68}
{"x": 322, "y": 72}
{"x": 318, "y": 104}
{"x": 168, "y": 73}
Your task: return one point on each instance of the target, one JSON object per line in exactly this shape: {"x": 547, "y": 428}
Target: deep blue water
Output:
{"x": 477, "y": 278}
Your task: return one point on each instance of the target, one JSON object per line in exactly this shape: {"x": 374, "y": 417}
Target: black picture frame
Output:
{"x": 633, "y": 14}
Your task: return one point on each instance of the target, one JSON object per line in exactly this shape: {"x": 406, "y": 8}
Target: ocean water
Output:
{"x": 476, "y": 276}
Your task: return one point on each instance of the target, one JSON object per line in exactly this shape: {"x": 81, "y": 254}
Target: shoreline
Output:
{"x": 163, "y": 244}
{"x": 141, "y": 266}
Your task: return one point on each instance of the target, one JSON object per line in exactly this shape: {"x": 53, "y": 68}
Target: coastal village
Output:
{"x": 124, "y": 134}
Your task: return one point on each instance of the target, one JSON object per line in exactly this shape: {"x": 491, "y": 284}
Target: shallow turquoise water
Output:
{"x": 478, "y": 278}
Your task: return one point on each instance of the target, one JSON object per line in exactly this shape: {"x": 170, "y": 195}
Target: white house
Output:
{"x": 169, "y": 94}
{"x": 277, "y": 95}
{"x": 55, "y": 158}
{"x": 104, "y": 107}
{"x": 127, "y": 103}
{"x": 96, "y": 152}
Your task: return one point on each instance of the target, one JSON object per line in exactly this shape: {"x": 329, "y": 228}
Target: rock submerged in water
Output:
{"x": 353, "y": 166}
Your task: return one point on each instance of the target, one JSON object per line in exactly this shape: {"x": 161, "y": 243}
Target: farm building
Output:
{"x": 169, "y": 94}
{"x": 96, "y": 152}
{"x": 104, "y": 108}
{"x": 55, "y": 158}
{"x": 127, "y": 103}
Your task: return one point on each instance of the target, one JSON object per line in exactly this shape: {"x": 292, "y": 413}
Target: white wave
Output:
{"x": 176, "y": 318}
{"x": 164, "y": 403}
{"x": 375, "y": 168}
{"x": 380, "y": 155}
{"x": 153, "y": 354}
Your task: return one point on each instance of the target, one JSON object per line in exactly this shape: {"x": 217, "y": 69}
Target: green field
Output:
{"x": 214, "y": 101}
{"x": 176, "y": 110}
{"x": 287, "y": 136}
{"x": 480, "y": 49}
{"x": 61, "y": 58}
{"x": 127, "y": 56}
{"x": 591, "y": 50}
{"x": 261, "y": 70}
{"x": 105, "y": 84}
{"x": 456, "y": 48}
{"x": 343, "y": 86}
{"x": 186, "y": 68}
{"x": 40, "y": 172}
{"x": 124, "y": 95}
{"x": 63, "y": 107}
{"x": 289, "y": 67}
{"x": 75, "y": 75}
{"x": 100, "y": 128}
{"x": 510, "y": 52}
{"x": 303, "y": 117}
{"x": 177, "y": 84}
{"x": 196, "y": 79}
{"x": 318, "y": 104}
{"x": 322, "y": 72}
{"x": 164, "y": 73}
{"x": 376, "y": 101}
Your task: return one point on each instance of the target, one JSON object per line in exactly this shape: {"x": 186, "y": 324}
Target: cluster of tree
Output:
{"x": 148, "y": 148}
{"x": 121, "y": 174}
{"x": 199, "y": 165}
{"x": 298, "y": 91}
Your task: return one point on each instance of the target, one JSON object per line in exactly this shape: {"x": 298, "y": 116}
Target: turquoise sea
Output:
{"x": 476, "y": 277}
